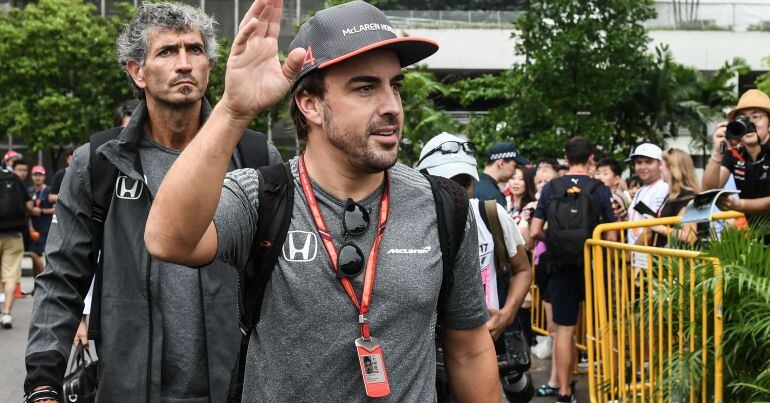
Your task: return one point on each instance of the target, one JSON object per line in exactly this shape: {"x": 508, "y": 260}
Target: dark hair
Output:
{"x": 599, "y": 154}
{"x": 578, "y": 150}
{"x": 125, "y": 109}
{"x": 20, "y": 162}
{"x": 463, "y": 180}
{"x": 314, "y": 83}
{"x": 614, "y": 166}
{"x": 634, "y": 180}
{"x": 548, "y": 161}
{"x": 529, "y": 185}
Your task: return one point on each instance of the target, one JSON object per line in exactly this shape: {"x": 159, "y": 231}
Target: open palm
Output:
{"x": 255, "y": 79}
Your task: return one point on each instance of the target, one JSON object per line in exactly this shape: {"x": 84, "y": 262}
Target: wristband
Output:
{"x": 711, "y": 157}
{"x": 47, "y": 393}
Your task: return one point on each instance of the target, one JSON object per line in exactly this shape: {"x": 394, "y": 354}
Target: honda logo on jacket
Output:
{"x": 127, "y": 188}
{"x": 300, "y": 246}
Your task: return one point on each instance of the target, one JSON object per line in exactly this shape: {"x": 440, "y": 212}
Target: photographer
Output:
{"x": 741, "y": 149}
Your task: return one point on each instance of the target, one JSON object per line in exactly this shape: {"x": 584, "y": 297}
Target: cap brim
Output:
{"x": 451, "y": 169}
{"x": 632, "y": 156}
{"x": 731, "y": 114}
{"x": 410, "y": 50}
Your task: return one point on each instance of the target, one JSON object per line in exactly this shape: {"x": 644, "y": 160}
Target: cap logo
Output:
{"x": 309, "y": 59}
{"x": 368, "y": 27}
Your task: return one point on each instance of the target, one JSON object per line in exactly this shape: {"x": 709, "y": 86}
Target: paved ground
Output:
{"x": 13, "y": 344}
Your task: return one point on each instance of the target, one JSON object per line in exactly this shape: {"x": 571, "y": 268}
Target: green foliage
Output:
{"x": 494, "y": 5}
{"x": 60, "y": 80}
{"x": 745, "y": 275}
{"x": 422, "y": 119}
{"x": 763, "y": 81}
{"x": 585, "y": 64}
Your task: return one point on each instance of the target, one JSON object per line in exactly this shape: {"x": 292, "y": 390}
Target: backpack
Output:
{"x": 252, "y": 149}
{"x": 276, "y": 200}
{"x": 572, "y": 217}
{"x": 13, "y": 213}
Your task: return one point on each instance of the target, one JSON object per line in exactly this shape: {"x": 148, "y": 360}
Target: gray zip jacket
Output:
{"x": 131, "y": 330}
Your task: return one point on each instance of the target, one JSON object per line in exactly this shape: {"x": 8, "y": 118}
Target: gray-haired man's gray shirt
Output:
{"x": 302, "y": 349}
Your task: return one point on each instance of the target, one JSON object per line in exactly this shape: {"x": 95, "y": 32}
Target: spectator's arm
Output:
{"x": 536, "y": 229}
{"x": 747, "y": 206}
{"x": 517, "y": 291}
{"x": 715, "y": 174}
{"x": 53, "y": 198}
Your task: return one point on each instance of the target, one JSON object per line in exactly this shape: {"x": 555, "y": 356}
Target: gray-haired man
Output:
{"x": 167, "y": 333}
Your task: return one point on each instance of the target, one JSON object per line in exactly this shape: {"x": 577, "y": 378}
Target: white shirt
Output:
{"x": 512, "y": 238}
{"x": 653, "y": 195}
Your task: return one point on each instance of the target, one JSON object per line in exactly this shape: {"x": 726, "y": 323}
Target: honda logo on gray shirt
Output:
{"x": 127, "y": 188}
{"x": 300, "y": 246}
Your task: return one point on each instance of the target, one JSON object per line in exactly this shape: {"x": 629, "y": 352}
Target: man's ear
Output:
{"x": 135, "y": 71}
{"x": 311, "y": 107}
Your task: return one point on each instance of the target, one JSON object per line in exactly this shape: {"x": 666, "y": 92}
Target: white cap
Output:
{"x": 648, "y": 150}
{"x": 447, "y": 165}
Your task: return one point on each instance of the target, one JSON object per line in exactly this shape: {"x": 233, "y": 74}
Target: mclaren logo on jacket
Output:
{"x": 420, "y": 251}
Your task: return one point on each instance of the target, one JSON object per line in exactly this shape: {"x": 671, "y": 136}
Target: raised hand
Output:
{"x": 255, "y": 79}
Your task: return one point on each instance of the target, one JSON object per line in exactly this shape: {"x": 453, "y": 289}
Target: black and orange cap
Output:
{"x": 341, "y": 32}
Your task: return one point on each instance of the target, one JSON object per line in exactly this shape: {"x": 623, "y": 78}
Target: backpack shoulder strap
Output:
{"x": 253, "y": 150}
{"x": 591, "y": 185}
{"x": 451, "y": 214}
{"x": 501, "y": 250}
{"x": 558, "y": 187}
{"x": 276, "y": 202}
{"x": 102, "y": 175}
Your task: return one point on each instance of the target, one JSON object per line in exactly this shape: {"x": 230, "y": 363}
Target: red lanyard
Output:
{"x": 331, "y": 249}
{"x": 37, "y": 195}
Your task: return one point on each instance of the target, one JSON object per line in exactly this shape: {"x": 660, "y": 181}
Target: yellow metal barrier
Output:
{"x": 638, "y": 320}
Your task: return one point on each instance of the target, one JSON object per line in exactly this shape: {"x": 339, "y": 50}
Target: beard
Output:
{"x": 356, "y": 147}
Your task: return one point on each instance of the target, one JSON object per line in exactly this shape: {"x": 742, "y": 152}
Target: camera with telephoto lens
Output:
{"x": 512, "y": 366}
{"x": 739, "y": 127}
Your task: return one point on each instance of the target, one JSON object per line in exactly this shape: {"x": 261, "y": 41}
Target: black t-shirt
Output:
{"x": 42, "y": 222}
{"x": 24, "y": 195}
{"x": 602, "y": 197}
{"x": 751, "y": 177}
{"x": 57, "y": 180}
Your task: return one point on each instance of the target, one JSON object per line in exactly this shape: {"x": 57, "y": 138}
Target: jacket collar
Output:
{"x": 122, "y": 152}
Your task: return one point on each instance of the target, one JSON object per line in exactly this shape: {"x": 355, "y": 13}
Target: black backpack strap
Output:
{"x": 591, "y": 186}
{"x": 252, "y": 149}
{"x": 452, "y": 215}
{"x": 276, "y": 202}
{"x": 103, "y": 175}
{"x": 557, "y": 184}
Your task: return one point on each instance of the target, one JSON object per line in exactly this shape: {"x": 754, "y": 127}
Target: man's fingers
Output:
{"x": 252, "y": 12}
{"x": 293, "y": 64}
{"x": 244, "y": 34}
{"x": 264, "y": 21}
{"x": 275, "y": 19}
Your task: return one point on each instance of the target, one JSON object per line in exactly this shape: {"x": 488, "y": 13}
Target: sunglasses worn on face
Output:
{"x": 355, "y": 221}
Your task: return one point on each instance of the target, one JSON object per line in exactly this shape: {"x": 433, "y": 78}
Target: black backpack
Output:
{"x": 276, "y": 200}
{"x": 253, "y": 152}
{"x": 572, "y": 217}
{"x": 13, "y": 213}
